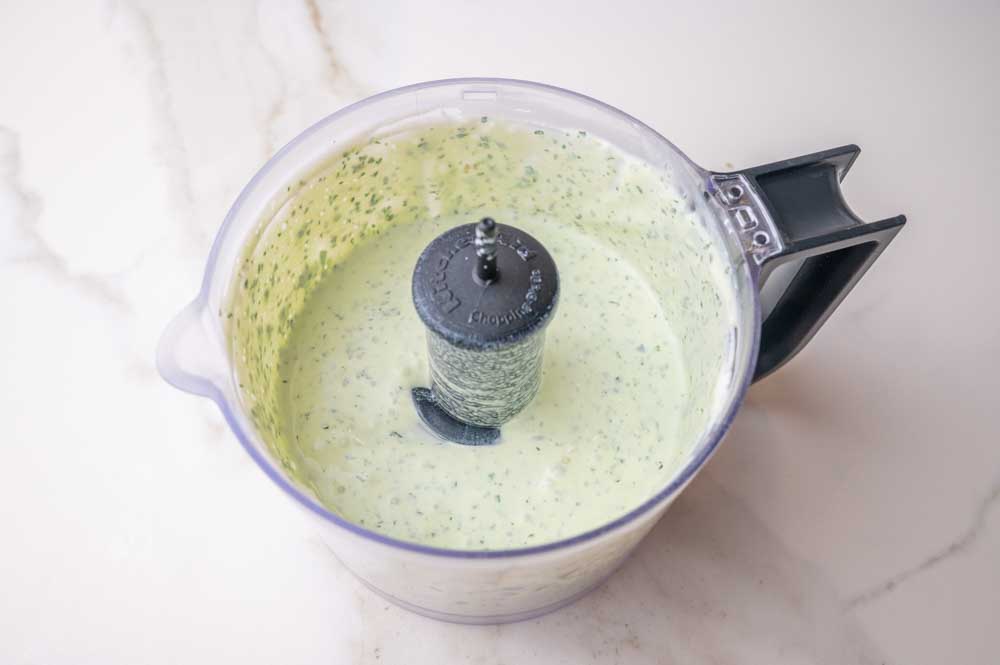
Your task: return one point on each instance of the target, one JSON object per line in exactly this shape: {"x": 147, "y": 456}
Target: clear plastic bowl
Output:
{"x": 454, "y": 585}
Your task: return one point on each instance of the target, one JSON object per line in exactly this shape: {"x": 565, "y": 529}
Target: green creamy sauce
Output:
{"x": 329, "y": 345}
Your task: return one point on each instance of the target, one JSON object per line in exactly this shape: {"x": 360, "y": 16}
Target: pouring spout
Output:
{"x": 186, "y": 356}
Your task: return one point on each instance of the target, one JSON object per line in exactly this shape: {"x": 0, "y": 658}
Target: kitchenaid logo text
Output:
{"x": 522, "y": 250}
{"x": 440, "y": 292}
{"x": 449, "y": 302}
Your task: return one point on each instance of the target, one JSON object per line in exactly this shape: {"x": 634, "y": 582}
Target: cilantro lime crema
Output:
{"x": 328, "y": 346}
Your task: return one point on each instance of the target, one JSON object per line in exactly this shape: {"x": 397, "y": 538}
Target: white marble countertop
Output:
{"x": 852, "y": 516}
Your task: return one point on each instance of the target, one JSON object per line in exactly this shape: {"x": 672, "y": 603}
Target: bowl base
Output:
{"x": 479, "y": 620}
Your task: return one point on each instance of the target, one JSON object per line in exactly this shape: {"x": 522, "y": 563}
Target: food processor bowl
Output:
{"x": 786, "y": 214}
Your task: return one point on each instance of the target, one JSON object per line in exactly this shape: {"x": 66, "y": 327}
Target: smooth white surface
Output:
{"x": 853, "y": 514}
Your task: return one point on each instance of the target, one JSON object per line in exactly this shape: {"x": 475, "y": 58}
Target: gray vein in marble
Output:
{"x": 21, "y": 208}
{"x": 959, "y": 545}
{"x": 339, "y": 77}
{"x": 277, "y": 109}
{"x": 170, "y": 142}
{"x": 270, "y": 120}
{"x": 720, "y": 571}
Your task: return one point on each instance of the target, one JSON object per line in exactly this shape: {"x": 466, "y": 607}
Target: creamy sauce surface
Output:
{"x": 626, "y": 385}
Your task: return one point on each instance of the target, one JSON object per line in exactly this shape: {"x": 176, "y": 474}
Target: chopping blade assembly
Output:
{"x": 485, "y": 293}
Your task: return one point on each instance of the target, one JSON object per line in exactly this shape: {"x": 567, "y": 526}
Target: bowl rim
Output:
{"x": 208, "y": 388}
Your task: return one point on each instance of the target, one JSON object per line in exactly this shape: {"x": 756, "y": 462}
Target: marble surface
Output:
{"x": 853, "y": 514}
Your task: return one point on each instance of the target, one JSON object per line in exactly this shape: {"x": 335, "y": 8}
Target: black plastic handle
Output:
{"x": 817, "y": 229}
